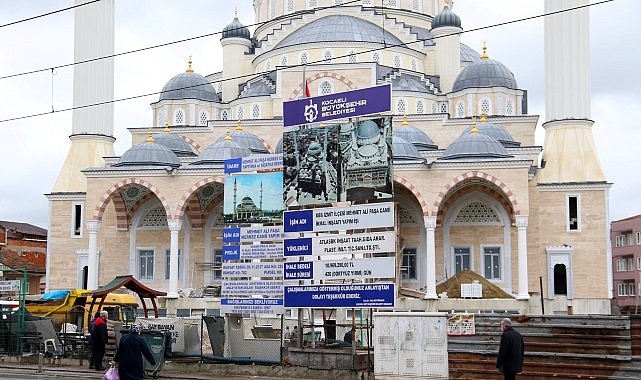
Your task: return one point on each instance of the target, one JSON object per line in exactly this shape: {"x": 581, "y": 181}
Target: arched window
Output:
{"x": 312, "y": 4}
{"x": 283, "y": 60}
{"x": 397, "y": 61}
{"x": 327, "y": 56}
{"x": 224, "y": 115}
{"x": 219, "y": 87}
{"x": 460, "y": 109}
{"x": 420, "y": 108}
{"x": 434, "y": 107}
{"x": 376, "y": 57}
{"x": 443, "y": 107}
{"x": 179, "y": 117}
{"x": 485, "y": 106}
{"x": 290, "y": 6}
{"x": 352, "y": 57}
{"x": 401, "y": 107}
{"x": 255, "y": 111}
{"x": 416, "y": 6}
{"x": 204, "y": 116}
{"x": 392, "y": 3}
{"x": 325, "y": 88}
{"x": 239, "y": 112}
{"x": 414, "y": 68}
{"x": 303, "y": 58}
{"x": 509, "y": 108}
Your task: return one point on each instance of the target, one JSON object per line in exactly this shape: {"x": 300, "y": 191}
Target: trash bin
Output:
{"x": 155, "y": 340}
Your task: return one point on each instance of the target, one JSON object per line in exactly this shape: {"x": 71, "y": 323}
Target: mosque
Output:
{"x": 471, "y": 188}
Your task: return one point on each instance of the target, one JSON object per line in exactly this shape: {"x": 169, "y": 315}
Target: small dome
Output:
{"x": 495, "y": 131}
{"x": 446, "y": 18}
{"x": 148, "y": 154}
{"x": 404, "y": 150}
{"x": 220, "y": 151}
{"x": 367, "y": 133}
{"x": 414, "y": 136}
{"x": 189, "y": 85}
{"x": 246, "y": 139}
{"x": 180, "y": 147}
{"x": 236, "y": 29}
{"x": 483, "y": 73}
{"x": 475, "y": 145}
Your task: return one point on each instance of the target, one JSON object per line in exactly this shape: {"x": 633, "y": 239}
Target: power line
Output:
{"x": 48, "y": 14}
{"x": 253, "y": 75}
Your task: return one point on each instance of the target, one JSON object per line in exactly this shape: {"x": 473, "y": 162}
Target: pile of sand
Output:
{"x": 453, "y": 285}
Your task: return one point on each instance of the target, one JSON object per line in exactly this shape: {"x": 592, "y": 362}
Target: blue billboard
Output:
{"x": 333, "y": 296}
{"x": 366, "y": 101}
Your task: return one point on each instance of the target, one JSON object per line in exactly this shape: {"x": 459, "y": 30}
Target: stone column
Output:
{"x": 174, "y": 229}
{"x": 521, "y": 224}
{"x": 430, "y": 259}
{"x": 93, "y": 227}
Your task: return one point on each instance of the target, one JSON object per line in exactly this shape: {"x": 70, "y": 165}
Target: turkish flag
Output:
{"x": 307, "y": 94}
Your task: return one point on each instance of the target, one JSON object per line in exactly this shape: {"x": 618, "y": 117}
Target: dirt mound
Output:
{"x": 453, "y": 285}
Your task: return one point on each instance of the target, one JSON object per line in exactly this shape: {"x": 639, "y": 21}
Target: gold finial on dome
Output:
{"x": 447, "y": 4}
{"x": 239, "y": 126}
{"x": 150, "y": 139}
{"x": 474, "y": 130}
{"x": 166, "y": 130}
{"x": 228, "y": 137}
{"x": 484, "y": 55}
{"x": 483, "y": 118}
{"x": 405, "y": 123}
{"x": 189, "y": 69}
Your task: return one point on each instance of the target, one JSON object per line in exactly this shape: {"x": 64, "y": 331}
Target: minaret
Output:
{"x": 93, "y": 83}
{"x": 236, "y": 42}
{"x": 446, "y": 29}
{"x": 569, "y": 152}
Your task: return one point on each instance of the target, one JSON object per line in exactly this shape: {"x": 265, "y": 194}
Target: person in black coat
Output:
{"x": 510, "y": 358}
{"x": 129, "y": 355}
{"x": 98, "y": 340}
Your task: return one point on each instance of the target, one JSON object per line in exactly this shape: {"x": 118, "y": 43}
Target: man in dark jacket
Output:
{"x": 98, "y": 340}
{"x": 510, "y": 358}
{"x": 129, "y": 355}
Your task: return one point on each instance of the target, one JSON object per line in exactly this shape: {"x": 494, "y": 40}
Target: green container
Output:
{"x": 155, "y": 340}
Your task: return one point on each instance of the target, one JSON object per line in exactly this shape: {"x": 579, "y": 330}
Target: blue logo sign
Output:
{"x": 231, "y": 252}
{"x": 297, "y": 247}
{"x": 366, "y": 101}
{"x": 298, "y": 221}
{"x": 231, "y": 235}
{"x": 300, "y": 270}
{"x": 234, "y": 165}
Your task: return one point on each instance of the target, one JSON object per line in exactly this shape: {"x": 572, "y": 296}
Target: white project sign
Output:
{"x": 253, "y": 270}
{"x": 378, "y": 267}
{"x": 250, "y": 288}
{"x": 374, "y": 215}
{"x": 374, "y": 242}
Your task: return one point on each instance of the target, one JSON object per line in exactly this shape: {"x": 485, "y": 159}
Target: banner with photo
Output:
{"x": 254, "y": 198}
{"x": 336, "y": 163}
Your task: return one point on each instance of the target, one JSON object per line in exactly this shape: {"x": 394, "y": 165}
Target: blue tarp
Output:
{"x": 55, "y": 295}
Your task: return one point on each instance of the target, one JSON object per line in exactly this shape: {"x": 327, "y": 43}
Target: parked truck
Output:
{"x": 72, "y": 306}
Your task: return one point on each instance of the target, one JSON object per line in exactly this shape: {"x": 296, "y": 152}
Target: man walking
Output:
{"x": 129, "y": 355}
{"x": 510, "y": 358}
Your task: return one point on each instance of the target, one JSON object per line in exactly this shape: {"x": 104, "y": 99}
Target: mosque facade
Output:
{"x": 471, "y": 188}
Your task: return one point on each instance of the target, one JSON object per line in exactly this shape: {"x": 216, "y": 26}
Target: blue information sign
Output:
{"x": 298, "y": 221}
{"x": 297, "y": 247}
{"x": 366, "y": 101}
{"x": 331, "y": 296}
{"x": 300, "y": 270}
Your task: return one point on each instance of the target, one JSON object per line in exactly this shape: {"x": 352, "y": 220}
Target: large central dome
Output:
{"x": 339, "y": 28}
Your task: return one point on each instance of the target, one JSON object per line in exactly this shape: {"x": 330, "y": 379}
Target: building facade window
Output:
{"x": 325, "y": 88}
{"x": 392, "y": 3}
{"x": 485, "y": 106}
{"x": 327, "y": 56}
{"x": 413, "y": 63}
{"x": 509, "y": 108}
{"x": 462, "y": 258}
{"x": 77, "y": 219}
{"x": 560, "y": 280}
{"x": 434, "y": 107}
{"x": 492, "y": 263}
{"x": 367, "y": 2}
{"x": 303, "y": 58}
{"x": 397, "y": 61}
{"x": 573, "y": 213}
{"x": 255, "y": 111}
{"x": 218, "y": 264}
{"x": 420, "y": 107}
{"x": 416, "y": 5}
{"x": 290, "y": 6}
{"x": 312, "y": 4}
{"x": 460, "y": 109}
{"x": 204, "y": 117}
{"x": 146, "y": 264}
{"x": 160, "y": 120}
{"x": 283, "y": 60}
{"x": 443, "y": 107}
{"x": 401, "y": 106}
{"x": 376, "y": 57}
{"x": 409, "y": 264}
{"x": 224, "y": 115}
{"x": 167, "y": 260}
{"x": 352, "y": 57}
{"x": 179, "y": 117}
{"x": 239, "y": 112}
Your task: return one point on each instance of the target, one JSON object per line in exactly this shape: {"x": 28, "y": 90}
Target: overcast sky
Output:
{"x": 33, "y": 149}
